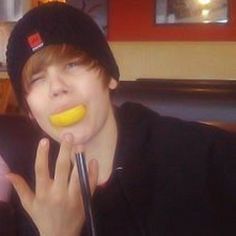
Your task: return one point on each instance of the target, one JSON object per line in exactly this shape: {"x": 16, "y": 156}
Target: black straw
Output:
{"x": 86, "y": 194}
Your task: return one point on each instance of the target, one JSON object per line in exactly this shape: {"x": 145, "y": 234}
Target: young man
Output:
{"x": 149, "y": 175}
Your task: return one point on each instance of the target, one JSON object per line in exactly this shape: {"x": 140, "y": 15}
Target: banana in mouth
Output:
{"x": 68, "y": 117}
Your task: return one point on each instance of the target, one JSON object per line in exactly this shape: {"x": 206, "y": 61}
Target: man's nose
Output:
{"x": 58, "y": 86}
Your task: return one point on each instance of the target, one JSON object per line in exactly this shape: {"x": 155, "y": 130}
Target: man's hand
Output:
{"x": 56, "y": 207}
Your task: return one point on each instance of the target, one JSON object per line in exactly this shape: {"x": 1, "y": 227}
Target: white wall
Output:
{"x": 183, "y": 60}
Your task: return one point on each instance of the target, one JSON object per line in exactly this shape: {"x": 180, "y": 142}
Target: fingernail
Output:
{"x": 43, "y": 142}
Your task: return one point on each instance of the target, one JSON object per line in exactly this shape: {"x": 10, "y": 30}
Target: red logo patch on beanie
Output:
{"x": 35, "y": 41}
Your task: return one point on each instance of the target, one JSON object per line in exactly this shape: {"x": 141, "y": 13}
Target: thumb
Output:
{"x": 23, "y": 190}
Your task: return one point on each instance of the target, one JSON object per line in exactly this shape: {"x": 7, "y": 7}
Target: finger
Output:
{"x": 23, "y": 190}
{"x": 42, "y": 175}
{"x": 63, "y": 165}
{"x": 93, "y": 174}
{"x": 74, "y": 184}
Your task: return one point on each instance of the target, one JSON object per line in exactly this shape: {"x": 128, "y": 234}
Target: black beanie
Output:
{"x": 55, "y": 23}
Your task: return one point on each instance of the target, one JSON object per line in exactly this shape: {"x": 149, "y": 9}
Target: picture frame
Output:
{"x": 191, "y": 11}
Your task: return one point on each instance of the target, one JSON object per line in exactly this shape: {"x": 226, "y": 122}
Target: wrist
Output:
{"x": 67, "y": 232}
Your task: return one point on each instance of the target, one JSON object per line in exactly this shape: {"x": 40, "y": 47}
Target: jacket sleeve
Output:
{"x": 222, "y": 182}
{"x": 7, "y": 219}
{"x": 229, "y": 184}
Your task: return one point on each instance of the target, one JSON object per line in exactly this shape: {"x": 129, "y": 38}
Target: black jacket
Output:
{"x": 170, "y": 177}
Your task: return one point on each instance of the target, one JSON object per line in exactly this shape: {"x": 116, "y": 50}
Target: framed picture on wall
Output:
{"x": 97, "y": 9}
{"x": 191, "y": 11}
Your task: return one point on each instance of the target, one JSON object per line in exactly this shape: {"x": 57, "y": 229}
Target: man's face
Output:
{"x": 62, "y": 86}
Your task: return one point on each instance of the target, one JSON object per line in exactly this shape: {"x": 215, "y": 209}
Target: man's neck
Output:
{"x": 102, "y": 148}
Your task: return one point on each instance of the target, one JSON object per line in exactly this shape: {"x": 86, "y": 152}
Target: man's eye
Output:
{"x": 72, "y": 65}
{"x": 35, "y": 79}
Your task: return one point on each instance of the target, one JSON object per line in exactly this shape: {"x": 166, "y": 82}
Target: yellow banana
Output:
{"x": 68, "y": 117}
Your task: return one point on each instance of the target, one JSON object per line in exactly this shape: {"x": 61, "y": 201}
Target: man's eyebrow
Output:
{"x": 37, "y": 73}
{"x": 76, "y": 58}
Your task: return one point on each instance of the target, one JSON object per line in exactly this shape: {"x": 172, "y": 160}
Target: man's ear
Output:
{"x": 113, "y": 83}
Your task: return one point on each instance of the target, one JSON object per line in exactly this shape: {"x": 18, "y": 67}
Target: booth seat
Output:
{"x": 210, "y": 102}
